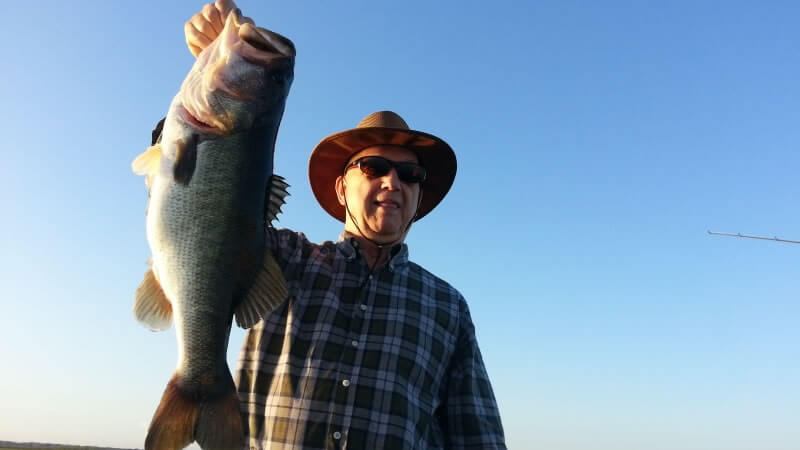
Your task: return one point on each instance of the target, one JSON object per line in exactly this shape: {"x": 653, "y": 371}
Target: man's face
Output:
{"x": 381, "y": 206}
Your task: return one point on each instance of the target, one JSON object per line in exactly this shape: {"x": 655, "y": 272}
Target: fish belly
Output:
{"x": 207, "y": 239}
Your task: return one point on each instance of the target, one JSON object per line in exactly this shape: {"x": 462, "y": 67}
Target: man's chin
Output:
{"x": 387, "y": 234}
{"x": 381, "y": 231}
{"x": 392, "y": 238}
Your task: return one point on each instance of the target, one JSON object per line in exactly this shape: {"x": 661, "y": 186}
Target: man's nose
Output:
{"x": 391, "y": 180}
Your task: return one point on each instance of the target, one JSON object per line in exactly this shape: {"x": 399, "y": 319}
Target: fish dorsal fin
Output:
{"x": 151, "y": 307}
{"x": 156, "y": 133}
{"x": 267, "y": 292}
{"x": 269, "y": 289}
{"x": 275, "y": 198}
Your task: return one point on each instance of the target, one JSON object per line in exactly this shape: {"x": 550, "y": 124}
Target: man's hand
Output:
{"x": 206, "y": 25}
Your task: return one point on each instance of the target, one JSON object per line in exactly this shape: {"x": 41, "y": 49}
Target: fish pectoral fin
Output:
{"x": 185, "y": 160}
{"x": 264, "y": 296}
{"x": 151, "y": 307}
{"x": 148, "y": 162}
{"x": 276, "y": 193}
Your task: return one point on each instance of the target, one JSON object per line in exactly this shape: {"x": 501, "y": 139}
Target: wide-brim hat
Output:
{"x": 330, "y": 156}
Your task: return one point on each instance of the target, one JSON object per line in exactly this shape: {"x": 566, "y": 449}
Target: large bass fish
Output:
{"x": 212, "y": 194}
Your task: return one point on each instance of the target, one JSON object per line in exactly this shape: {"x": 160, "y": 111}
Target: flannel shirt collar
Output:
{"x": 348, "y": 245}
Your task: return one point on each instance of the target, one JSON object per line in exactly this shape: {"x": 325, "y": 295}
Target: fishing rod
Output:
{"x": 740, "y": 235}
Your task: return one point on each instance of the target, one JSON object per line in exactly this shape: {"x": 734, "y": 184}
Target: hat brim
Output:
{"x": 332, "y": 153}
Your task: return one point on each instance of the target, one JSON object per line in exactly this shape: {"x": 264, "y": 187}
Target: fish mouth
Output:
{"x": 246, "y": 64}
{"x": 264, "y": 47}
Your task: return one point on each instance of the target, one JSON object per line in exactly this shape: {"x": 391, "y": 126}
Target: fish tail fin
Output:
{"x": 219, "y": 426}
{"x": 173, "y": 423}
{"x": 214, "y": 421}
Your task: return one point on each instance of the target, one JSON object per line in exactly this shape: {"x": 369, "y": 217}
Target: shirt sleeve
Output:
{"x": 290, "y": 249}
{"x": 469, "y": 415}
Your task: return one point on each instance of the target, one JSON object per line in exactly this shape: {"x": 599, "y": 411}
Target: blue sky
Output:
{"x": 597, "y": 143}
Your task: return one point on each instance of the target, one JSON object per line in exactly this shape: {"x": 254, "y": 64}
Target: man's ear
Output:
{"x": 340, "y": 189}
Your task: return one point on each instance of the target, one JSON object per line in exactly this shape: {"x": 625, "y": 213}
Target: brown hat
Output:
{"x": 381, "y": 128}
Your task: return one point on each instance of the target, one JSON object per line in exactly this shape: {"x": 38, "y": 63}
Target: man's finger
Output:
{"x": 247, "y": 19}
{"x": 195, "y": 50}
{"x": 224, "y": 7}
{"x": 194, "y": 38}
{"x": 212, "y": 16}
{"x": 201, "y": 25}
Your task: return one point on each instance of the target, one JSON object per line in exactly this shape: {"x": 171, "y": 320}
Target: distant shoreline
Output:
{"x": 11, "y": 445}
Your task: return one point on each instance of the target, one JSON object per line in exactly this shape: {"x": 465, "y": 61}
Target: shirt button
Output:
{"x": 369, "y": 277}
{"x": 363, "y": 307}
{"x": 346, "y": 383}
{"x": 337, "y": 435}
{"x": 354, "y": 343}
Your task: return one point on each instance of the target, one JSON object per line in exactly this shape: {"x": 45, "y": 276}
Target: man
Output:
{"x": 370, "y": 350}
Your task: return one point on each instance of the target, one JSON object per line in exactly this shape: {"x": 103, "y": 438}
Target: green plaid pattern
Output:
{"x": 353, "y": 360}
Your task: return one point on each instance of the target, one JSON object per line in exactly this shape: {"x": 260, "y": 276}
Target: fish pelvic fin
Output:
{"x": 266, "y": 293}
{"x": 275, "y": 198}
{"x": 148, "y": 163}
{"x": 182, "y": 417}
{"x": 151, "y": 306}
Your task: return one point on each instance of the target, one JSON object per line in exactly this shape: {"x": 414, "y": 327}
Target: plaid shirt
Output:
{"x": 356, "y": 360}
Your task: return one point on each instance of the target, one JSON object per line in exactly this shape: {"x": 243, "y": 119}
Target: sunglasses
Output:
{"x": 376, "y": 166}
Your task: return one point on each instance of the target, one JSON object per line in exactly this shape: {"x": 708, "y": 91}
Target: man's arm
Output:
{"x": 469, "y": 416}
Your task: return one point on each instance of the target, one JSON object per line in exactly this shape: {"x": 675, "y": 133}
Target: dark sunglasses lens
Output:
{"x": 411, "y": 173}
{"x": 374, "y": 167}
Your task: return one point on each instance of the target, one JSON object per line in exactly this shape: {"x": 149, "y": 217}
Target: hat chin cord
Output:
{"x": 385, "y": 244}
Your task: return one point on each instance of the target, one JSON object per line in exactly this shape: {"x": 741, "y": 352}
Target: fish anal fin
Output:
{"x": 148, "y": 162}
{"x": 185, "y": 159}
{"x": 275, "y": 198}
{"x": 266, "y": 293}
{"x": 151, "y": 306}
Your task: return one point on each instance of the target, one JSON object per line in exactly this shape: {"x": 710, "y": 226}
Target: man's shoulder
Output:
{"x": 292, "y": 238}
{"x": 286, "y": 233}
{"x": 439, "y": 284}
